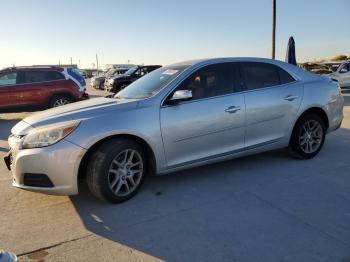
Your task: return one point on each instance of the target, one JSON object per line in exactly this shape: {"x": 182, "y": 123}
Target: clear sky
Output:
{"x": 166, "y": 31}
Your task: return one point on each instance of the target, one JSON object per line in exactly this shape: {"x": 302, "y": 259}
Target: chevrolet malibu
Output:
{"x": 179, "y": 116}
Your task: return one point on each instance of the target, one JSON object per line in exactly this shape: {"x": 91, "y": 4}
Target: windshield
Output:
{"x": 334, "y": 67}
{"x": 109, "y": 72}
{"x": 131, "y": 70}
{"x": 151, "y": 83}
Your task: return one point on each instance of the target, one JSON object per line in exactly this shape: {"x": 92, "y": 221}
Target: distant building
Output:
{"x": 68, "y": 65}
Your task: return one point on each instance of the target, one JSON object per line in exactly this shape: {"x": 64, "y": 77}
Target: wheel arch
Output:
{"x": 55, "y": 94}
{"x": 316, "y": 110}
{"x": 149, "y": 152}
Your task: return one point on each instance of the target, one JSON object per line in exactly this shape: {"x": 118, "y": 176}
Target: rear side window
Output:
{"x": 260, "y": 75}
{"x": 54, "y": 75}
{"x": 8, "y": 78}
{"x": 33, "y": 77}
{"x": 210, "y": 81}
{"x": 285, "y": 77}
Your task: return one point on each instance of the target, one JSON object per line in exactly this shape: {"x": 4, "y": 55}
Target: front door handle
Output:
{"x": 232, "y": 109}
{"x": 290, "y": 97}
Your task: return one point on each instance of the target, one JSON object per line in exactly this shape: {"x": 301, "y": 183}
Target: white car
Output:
{"x": 342, "y": 74}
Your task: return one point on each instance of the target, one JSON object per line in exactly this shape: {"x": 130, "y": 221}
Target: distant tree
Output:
{"x": 339, "y": 58}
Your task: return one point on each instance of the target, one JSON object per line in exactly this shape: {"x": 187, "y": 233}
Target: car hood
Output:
{"x": 83, "y": 110}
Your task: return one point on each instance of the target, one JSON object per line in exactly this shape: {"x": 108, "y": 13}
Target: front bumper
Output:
{"x": 59, "y": 162}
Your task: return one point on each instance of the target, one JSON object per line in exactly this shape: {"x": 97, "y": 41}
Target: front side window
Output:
{"x": 53, "y": 76}
{"x": 8, "y": 78}
{"x": 141, "y": 72}
{"x": 210, "y": 81}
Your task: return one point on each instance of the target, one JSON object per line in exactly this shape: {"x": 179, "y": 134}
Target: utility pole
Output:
{"x": 97, "y": 64}
{"x": 273, "y": 29}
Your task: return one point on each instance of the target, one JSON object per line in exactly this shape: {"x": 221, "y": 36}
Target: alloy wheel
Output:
{"x": 311, "y": 136}
{"x": 125, "y": 172}
{"x": 60, "y": 102}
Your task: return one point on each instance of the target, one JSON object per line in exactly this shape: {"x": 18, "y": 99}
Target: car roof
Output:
{"x": 295, "y": 71}
{"x": 33, "y": 68}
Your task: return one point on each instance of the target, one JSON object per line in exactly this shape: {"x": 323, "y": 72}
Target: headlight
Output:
{"x": 111, "y": 81}
{"x": 50, "y": 135}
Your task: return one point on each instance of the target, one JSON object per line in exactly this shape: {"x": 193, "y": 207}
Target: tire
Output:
{"x": 108, "y": 178}
{"x": 60, "y": 100}
{"x": 308, "y": 136}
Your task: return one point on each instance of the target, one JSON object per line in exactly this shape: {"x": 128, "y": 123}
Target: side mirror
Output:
{"x": 180, "y": 95}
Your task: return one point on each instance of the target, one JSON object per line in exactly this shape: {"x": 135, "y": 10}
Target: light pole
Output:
{"x": 273, "y": 29}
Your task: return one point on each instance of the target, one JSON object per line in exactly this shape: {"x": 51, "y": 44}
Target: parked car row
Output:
{"x": 39, "y": 87}
{"x": 337, "y": 70}
{"x": 98, "y": 82}
{"x": 118, "y": 78}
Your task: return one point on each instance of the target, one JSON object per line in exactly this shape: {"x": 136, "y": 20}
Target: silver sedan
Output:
{"x": 179, "y": 116}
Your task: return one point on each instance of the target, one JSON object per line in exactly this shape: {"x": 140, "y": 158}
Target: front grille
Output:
{"x": 37, "y": 180}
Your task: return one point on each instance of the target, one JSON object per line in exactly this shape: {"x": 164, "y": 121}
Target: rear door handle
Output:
{"x": 290, "y": 97}
{"x": 232, "y": 109}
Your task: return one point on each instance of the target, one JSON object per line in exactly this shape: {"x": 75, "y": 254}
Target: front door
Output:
{"x": 272, "y": 100}
{"x": 209, "y": 125}
{"x": 7, "y": 82}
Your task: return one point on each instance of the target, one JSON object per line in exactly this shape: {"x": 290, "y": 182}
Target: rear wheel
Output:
{"x": 308, "y": 136}
{"x": 116, "y": 170}
{"x": 60, "y": 100}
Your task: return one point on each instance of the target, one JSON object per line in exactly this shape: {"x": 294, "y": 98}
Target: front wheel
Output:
{"x": 308, "y": 136}
{"x": 116, "y": 170}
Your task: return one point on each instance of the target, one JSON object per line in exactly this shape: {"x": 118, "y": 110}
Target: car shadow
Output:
{"x": 6, "y": 126}
{"x": 207, "y": 212}
{"x": 162, "y": 198}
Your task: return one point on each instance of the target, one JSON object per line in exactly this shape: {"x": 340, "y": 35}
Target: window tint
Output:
{"x": 141, "y": 71}
{"x": 8, "y": 78}
{"x": 213, "y": 80}
{"x": 285, "y": 77}
{"x": 33, "y": 77}
{"x": 259, "y": 75}
{"x": 54, "y": 75}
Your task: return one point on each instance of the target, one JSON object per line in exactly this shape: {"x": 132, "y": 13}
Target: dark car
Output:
{"x": 119, "y": 82}
{"x": 29, "y": 88}
{"x": 97, "y": 82}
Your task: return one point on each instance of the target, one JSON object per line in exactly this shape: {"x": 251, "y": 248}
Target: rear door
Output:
{"x": 33, "y": 87}
{"x": 272, "y": 100}
{"x": 8, "y": 95}
{"x": 209, "y": 125}
{"x": 7, "y": 81}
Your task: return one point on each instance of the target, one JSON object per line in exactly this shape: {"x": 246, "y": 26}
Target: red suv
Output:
{"x": 28, "y": 88}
